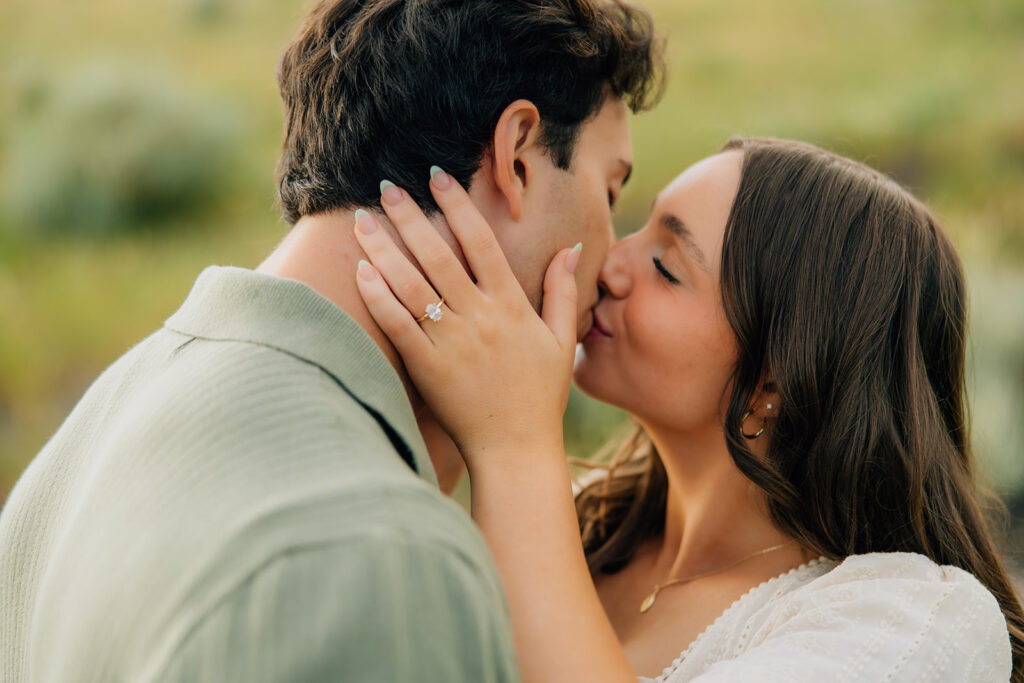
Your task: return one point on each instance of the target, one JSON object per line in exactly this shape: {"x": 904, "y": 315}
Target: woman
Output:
{"x": 788, "y": 331}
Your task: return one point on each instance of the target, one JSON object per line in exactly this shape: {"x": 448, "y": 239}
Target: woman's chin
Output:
{"x": 586, "y": 375}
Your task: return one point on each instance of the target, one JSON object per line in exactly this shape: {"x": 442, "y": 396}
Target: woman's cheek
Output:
{"x": 657, "y": 325}
{"x": 716, "y": 336}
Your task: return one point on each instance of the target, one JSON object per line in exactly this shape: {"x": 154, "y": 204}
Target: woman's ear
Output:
{"x": 769, "y": 399}
{"x": 516, "y": 134}
{"x": 765, "y": 401}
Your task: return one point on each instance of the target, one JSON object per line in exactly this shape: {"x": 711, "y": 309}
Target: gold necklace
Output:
{"x": 648, "y": 602}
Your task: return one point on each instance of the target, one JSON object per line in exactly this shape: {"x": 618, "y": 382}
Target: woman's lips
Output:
{"x": 598, "y": 329}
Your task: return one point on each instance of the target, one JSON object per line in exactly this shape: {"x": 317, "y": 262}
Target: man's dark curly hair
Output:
{"x": 383, "y": 89}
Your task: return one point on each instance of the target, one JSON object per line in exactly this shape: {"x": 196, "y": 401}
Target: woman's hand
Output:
{"x": 494, "y": 372}
{"x": 497, "y": 377}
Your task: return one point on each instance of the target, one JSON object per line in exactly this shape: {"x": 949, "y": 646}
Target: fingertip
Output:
{"x": 439, "y": 179}
{"x": 366, "y": 271}
{"x": 558, "y": 309}
{"x": 390, "y": 193}
{"x": 365, "y": 223}
{"x": 572, "y": 260}
{"x": 446, "y": 190}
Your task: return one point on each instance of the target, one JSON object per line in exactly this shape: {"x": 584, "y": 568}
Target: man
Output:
{"x": 253, "y": 493}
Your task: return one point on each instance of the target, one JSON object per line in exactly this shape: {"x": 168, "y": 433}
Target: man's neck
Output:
{"x": 322, "y": 252}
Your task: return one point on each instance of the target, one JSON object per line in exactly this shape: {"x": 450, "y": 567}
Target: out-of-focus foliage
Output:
{"x": 112, "y": 147}
{"x": 997, "y": 378}
{"x": 926, "y": 90}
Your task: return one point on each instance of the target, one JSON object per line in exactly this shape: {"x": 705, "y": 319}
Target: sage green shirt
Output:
{"x": 245, "y": 496}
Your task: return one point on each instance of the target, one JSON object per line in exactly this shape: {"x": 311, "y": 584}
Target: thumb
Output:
{"x": 558, "y": 309}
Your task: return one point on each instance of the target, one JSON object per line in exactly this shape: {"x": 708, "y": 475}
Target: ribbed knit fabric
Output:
{"x": 245, "y": 496}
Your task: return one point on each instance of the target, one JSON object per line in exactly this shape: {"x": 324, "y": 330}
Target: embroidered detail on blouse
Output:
{"x": 878, "y": 616}
{"x": 738, "y": 602}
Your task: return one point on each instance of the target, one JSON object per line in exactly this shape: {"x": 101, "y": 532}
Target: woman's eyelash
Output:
{"x": 664, "y": 273}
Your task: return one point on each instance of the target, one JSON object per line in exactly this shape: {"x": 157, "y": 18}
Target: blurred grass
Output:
{"x": 927, "y": 90}
{"x": 112, "y": 147}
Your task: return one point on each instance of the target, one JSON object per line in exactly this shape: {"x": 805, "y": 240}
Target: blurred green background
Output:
{"x": 138, "y": 141}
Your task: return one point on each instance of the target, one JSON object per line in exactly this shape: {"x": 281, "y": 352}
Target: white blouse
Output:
{"x": 875, "y": 617}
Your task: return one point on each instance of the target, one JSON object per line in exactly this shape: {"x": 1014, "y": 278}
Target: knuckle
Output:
{"x": 406, "y": 290}
{"x": 392, "y": 328}
{"x": 438, "y": 261}
{"x": 488, "y": 330}
{"x": 392, "y": 325}
{"x": 484, "y": 245}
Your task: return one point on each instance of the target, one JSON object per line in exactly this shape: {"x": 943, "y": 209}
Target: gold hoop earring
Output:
{"x": 759, "y": 432}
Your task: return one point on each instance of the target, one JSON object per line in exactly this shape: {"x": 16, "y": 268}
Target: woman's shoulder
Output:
{"x": 892, "y": 616}
{"x": 901, "y": 608}
{"x": 895, "y": 590}
{"x": 916, "y": 579}
{"x": 910, "y": 581}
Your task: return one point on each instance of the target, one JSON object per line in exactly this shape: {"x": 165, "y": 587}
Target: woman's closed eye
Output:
{"x": 663, "y": 272}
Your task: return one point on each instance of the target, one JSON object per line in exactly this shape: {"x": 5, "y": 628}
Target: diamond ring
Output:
{"x": 433, "y": 313}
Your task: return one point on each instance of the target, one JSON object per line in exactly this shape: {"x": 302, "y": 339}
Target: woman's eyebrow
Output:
{"x": 675, "y": 225}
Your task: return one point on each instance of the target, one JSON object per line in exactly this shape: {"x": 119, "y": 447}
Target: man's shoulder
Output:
{"x": 386, "y": 522}
{"x": 220, "y": 369}
{"x": 364, "y": 567}
{"x": 384, "y": 518}
{"x": 226, "y": 391}
{"x": 209, "y": 548}
{"x": 272, "y": 447}
{"x": 377, "y": 604}
{"x": 173, "y": 375}
{"x": 347, "y": 570}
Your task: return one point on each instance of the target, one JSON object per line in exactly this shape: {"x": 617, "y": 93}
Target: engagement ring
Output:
{"x": 434, "y": 312}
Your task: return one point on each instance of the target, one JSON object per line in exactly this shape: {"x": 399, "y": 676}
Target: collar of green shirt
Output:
{"x": 237, "y": 304}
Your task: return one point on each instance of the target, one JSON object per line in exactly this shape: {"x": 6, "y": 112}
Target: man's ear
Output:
{"x": 516, "y": 134}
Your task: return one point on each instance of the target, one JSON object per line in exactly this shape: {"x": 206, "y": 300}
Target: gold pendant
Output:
{"x": 648, "y": 602}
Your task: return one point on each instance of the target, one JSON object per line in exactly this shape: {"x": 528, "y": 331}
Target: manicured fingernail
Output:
{"x": 389, "y": 192}
{"x": 573, "y": 259}
{"x": 441, "y": 180}
{"x": 365, "y": 222}
{"x": 366, "y": 271}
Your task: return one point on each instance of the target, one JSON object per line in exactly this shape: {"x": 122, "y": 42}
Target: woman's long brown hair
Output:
{"x": 844, "y": 289}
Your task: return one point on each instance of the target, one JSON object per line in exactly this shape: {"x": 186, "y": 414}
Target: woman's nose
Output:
{"x": 615, "y": 279}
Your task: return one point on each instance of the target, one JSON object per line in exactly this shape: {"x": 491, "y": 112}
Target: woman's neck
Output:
{"x": 714, "y": 515}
